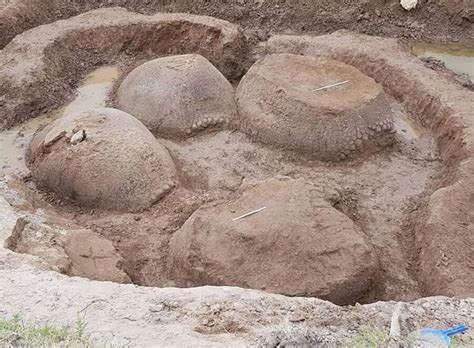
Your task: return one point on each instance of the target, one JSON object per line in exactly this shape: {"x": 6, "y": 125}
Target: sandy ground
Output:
{"x": 208, "y": 316}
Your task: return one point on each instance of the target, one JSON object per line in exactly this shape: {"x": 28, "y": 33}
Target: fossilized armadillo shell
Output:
{"x": 316, "y": 105}
{"x": 178, "y": 95}
{"x": 300, "y": 245}
{"x": 102, "y": 158}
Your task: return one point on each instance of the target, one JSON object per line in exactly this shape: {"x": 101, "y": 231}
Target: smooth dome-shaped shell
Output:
{"x": 102, "y": 158}
{"x": 178, "y": 95}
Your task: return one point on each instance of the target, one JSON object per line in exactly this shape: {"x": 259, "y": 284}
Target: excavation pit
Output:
{"x": 386, "y": 199}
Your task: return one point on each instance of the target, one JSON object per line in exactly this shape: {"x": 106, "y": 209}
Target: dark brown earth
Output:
{"x": 432, "y": 20}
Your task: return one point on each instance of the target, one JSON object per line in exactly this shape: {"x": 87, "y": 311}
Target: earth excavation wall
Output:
{"x": 440, "y": 20}
{"x": 40, "y": 69}
{"x": 37, "y": 73}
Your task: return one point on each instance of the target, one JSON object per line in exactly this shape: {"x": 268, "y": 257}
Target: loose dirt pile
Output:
{"x": 102, "y": 158}
{"x": 319, "y": 106}
{"x": 178, "y": 95}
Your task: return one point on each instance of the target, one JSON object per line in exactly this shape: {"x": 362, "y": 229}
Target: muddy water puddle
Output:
{"x": 409, "y": 128}
{"x": 92, "y": 92}
{"x": 459, "y": 59}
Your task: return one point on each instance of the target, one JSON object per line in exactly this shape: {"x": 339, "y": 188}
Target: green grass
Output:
{"x": 373, "y": 337}
{"x": 462, "y": 341}
{"x": 369, "y": 337}
{"x": 15, "y": 332}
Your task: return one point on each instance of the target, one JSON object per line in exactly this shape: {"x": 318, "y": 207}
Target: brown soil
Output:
{"x": 439, "y": 251}
{"x": 68, "y": 249}
{"x": 54, "y": 57}
{"x": 435, "y": 20}
{"x": 413, "y": 205}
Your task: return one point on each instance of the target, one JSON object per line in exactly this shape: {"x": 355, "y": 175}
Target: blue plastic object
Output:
{"x": 440, "y": 337}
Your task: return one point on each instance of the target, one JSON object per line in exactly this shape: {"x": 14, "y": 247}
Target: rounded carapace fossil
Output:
{"x": 315, "y": 105}
{"x": 102, "y": 158}
{"x": 178, "y": 95}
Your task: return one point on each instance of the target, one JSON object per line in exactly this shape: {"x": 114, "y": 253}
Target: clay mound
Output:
{"x": 282, "y": 100}
{"x": 76, "y": 252}
{"x": 102, "y": 158}
{"x": 299, "y": 245}
{"x": 177, "y": 95}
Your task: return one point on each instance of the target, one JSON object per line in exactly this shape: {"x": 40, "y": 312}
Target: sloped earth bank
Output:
{"x": 53, "y": 57}
{"x": 412, "y": 202}
{"x": 435, "y": 20}
{"x": 210, "y": 316}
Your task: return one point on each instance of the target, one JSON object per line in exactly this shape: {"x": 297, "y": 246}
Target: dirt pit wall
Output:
{"x": 440, "y": 20}
{"x": 40, "y": 68}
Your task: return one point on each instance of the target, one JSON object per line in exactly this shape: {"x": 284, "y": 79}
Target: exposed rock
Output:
{"x": 299, "y": 245}
{"x": 178, "y": 95}
{"x": 119, "y": 165}
{"x": 408, "y": 4}
{"x": 316, "y": 105}
{"x": 78, "y": 137}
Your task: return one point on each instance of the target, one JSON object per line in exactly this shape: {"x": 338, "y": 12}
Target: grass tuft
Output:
{"x": 15, "y": 332}
{"x": 462, "y": 341}
{"x": 369, "y": 337}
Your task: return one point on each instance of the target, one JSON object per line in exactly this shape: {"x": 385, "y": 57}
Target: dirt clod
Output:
{"x": 75, "y": 252}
